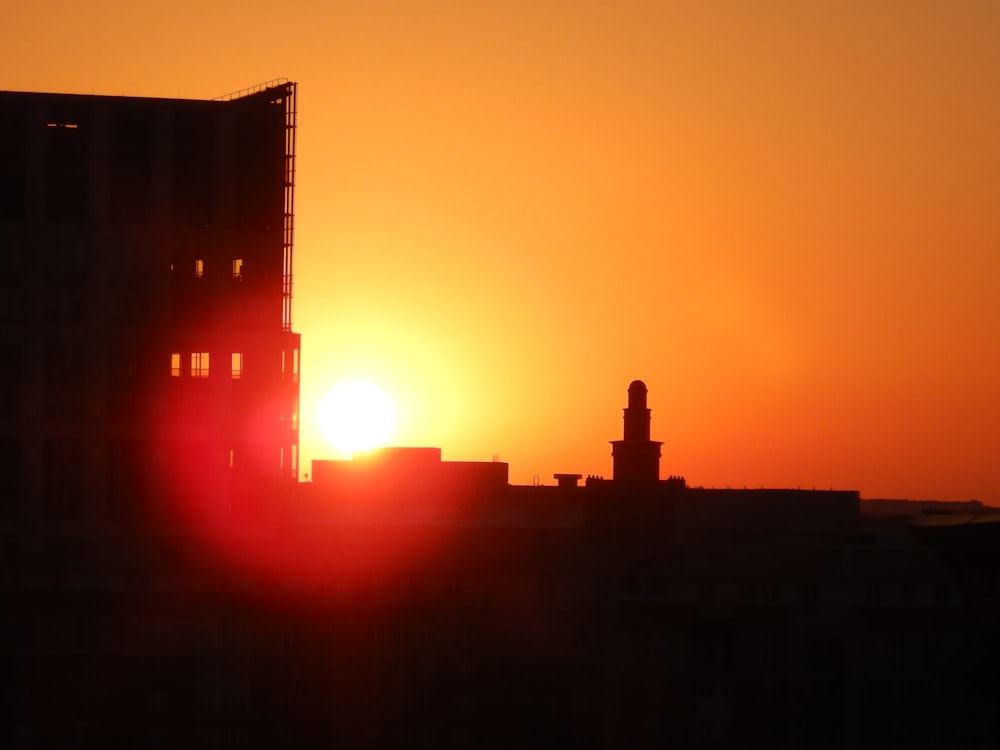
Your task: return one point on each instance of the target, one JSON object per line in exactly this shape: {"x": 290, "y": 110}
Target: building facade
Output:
{"x": 145, "y": 300}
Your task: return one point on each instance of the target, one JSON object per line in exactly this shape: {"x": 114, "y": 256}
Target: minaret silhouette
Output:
{"x": 636, "y": 458}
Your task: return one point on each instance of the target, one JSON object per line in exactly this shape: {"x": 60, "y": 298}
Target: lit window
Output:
{"x": 238, "y": 268}
{"x": 199, "y": 364}
{"x": 199, "y": 268}
{"x": 175, "y": 365}
{"x": 237, "y": 365}
{"x": 290, "y": 365}
{"x": 232, "y": 458}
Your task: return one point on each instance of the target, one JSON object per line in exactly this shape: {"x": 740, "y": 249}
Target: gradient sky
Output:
{"x": 781, "y": 215}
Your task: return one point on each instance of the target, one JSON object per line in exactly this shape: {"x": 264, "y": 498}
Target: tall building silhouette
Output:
{"x": 145, "y": 299}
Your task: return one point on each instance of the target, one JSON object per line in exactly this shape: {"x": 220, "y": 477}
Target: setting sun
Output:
{"x": 783, "y": 220}
{"x": 356, "y": 416}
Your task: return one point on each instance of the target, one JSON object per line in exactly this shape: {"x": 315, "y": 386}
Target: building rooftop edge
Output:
{"x": 225, "y": 98}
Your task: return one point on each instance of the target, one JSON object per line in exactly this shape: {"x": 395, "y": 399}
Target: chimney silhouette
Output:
{"x": 636, "y": 458}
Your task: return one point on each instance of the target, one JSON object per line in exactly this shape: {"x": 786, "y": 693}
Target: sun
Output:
{"x": 356, "y": 416}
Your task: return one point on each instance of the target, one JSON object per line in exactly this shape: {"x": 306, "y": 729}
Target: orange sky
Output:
{"x": 783, "y": 218}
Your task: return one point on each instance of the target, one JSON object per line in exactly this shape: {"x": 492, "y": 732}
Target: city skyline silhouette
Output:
{"x": 169, "y": 581}
{"x": 782, "y": 220}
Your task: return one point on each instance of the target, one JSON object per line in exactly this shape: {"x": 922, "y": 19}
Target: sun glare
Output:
{"x": 356, "y": 416}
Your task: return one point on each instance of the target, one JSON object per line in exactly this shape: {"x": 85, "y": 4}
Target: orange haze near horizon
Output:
{"x": 781, "y": 216}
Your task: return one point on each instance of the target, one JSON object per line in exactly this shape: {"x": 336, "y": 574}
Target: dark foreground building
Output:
{"x": 149, "y": 382}
{"x": 165, "y": 582}
{"x": 145, "y": 300}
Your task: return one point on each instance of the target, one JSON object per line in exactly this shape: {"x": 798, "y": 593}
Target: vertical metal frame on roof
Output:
{"x": 281, "y": 90}
{"x": 288, "y": 222}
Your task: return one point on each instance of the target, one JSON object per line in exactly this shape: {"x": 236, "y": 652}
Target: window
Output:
{"x": 199, "y": 268}
{"x": 199, "y": 364}
{"x": 126, "y": 364}
{"x": 12, "y": 378}
{"x": 13, "y": 166}
{"x": 238, "y": 268}
{"x": 67, "y": 176}
{"x": 194, "y": 161}
{"x": 175, "y": 365}
{"x": 64, "y": 363}
{"x": 10, "y": 476}
{"x": 237, "y": 365}
{"x": 130, "y": 162}
{"x": 290, "y": 365}
{"x": 63, "y": 468}
{"x": 125, "y": 483}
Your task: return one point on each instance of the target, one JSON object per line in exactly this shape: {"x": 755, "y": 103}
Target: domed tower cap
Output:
{"x": 637, "y": 401}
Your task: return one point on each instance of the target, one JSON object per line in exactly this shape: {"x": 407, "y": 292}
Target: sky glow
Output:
{"x": 781, "y": 216}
